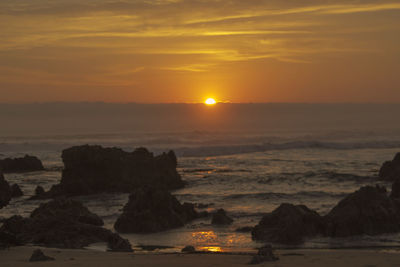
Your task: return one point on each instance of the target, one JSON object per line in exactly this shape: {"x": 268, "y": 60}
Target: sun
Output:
{"x": 210, "y": 101}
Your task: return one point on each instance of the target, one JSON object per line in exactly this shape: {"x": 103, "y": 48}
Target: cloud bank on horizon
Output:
{"x": 185, "y": 51}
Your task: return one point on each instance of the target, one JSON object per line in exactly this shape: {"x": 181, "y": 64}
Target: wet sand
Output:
{"x": 19, "y": 257}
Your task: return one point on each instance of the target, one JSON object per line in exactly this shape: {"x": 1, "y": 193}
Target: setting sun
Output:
{"x": 210, "y": 101}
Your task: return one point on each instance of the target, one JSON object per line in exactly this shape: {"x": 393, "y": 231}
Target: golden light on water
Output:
{"x": 210, "y": 101}
{"x": 211, "y": 249}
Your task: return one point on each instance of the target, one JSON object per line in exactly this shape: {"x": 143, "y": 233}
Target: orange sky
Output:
{"x": 186, "y": 51}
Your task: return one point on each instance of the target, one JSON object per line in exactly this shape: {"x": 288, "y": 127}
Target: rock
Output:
{"x": 38, "y": 255}
{"x": 289, "y": 224}
{"x": 367, "y": 211}
{"x": 152, "y": 209}
{"x": 395, "y": 194}
{"x": 188, "y": 249}
{"x": 39, "y": 191}
{"x": 116, "y": 243}
{"x": 390, "y": 170}
{"x": 16, "y": 191}
{"x": 245, "y": 229}
{"x": 264, "y": 254}
{"x": 66, "y": 210}
{"x": 5, "y": 191}
{"x": 61, "y": 223}
{"x": 220, "y": 218}
{"x": 94, "y": 169}
{"x": 25, "y": 164}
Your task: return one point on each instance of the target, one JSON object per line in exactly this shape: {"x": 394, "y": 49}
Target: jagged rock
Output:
{"x": 116, "y": 243}
{"x": 289, "y": 224}
{"x": 66, "y": 210}
{"x": 94, "y": 169}
{"x": 5, "y": 191}
{"x": 367, "y": 211}
{"x": 16, "y": 191}
{"x": 220, "y": 218}
{"x": 188, "y": 249}
{"x": 25, "y": 164}
{"x": 61, "y": 223}
{"x": 39, "y": 191}
{"x": 153, "y": 209}
{"x": 38, "y": 255}
{"x": 390, "y": 170}
{"x": 264, "y": 254}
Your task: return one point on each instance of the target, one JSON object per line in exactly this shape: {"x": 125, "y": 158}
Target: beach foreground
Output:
{"x": 19, "y": 256}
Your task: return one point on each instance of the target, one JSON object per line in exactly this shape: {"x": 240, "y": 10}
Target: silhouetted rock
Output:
{"x": 367, "y": 211}
{"x": 61, "y": 223}
{"x": 38, "y": 255}
{"x": 390, "y": 170}
{"x": 25, "y": 164}
{"x": 395, "y": 194}
{"x": 39, "y": 191}
{"x": 264, "y": 254}
{"x": 220, "y": 218}
{"x": 153, "y": 209}
{"x": 116, "y": 243}
{"x": 94, "y": 169}
{"x": 188, "y": 249}
{"x": 16, "y": 191}
{"x": 289, "y": 224}
{"x": 5, "y": 191}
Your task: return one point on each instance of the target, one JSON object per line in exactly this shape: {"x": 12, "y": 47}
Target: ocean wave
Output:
{"x": 251, "y": 148}
{"x": 297, "y": 195}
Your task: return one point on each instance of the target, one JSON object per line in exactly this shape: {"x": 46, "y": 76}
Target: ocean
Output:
{"x": 246, "y": 159}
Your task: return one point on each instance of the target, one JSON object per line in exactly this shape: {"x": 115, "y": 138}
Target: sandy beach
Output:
{"x": 19, "y": 256}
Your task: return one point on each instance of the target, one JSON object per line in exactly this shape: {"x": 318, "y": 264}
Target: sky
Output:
{"x": 167, "y": 51}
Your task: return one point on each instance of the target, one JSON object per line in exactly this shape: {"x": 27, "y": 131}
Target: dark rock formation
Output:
{"x": 116, "y": 243}
{"x": 38, "y": 255}
{"x": 367, "y": 211}
{"x": 152, "y": 209}
{"x": 25, "y": 164}
{"x": 94, "y": 169}
{"x": 220, "y": 218}
{"x": 289, "y": 224}
{"x": 8, "y": 240}
{"x": 390, "y": 170}
{"x": 5, "y": 191}
{"x": 39, "y": 191}
{"x": 61, "y": 223}
{"x": 16, "y": 191}
{"x": 264, "y": 254}
{"x": 188, "y": 249}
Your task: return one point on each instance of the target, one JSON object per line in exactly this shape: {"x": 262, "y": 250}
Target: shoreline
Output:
{"x": 19, "y": 257}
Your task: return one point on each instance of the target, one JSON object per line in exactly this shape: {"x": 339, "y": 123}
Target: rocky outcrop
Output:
{"x": 5, "y": 191}
{"x": 61, "y": 223}
{"x": 16, "y": 191}
{"x": 153, "y": 209}
{"x": 264, "y": 254}
{"x": 289, "y": 224}
{"x": 116, "y": 243}
{"x": 390, "y": 170}
{"x": 221, "y": 218}
{"x": 94, "y": 169}
{"x": 367, "y": 211}
{"x": 25, "y": 164}
{"x": 38, "y": 255}
{"x": 188, "y": 249}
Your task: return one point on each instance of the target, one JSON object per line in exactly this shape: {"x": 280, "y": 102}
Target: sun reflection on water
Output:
{"x": 211, "y": 249}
